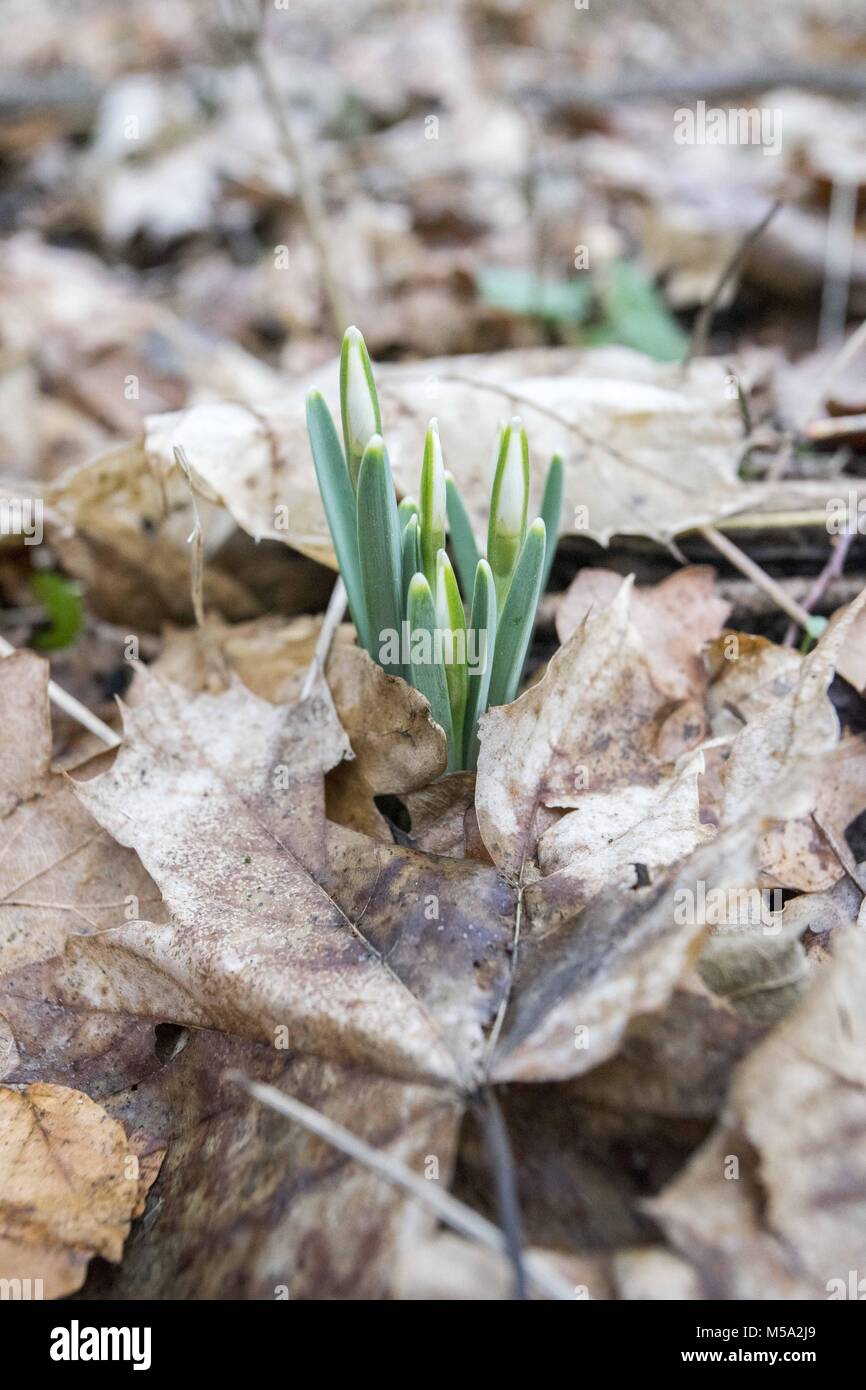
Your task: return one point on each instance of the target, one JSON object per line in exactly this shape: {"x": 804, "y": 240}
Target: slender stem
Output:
{"x": 747, "y": 566}
{"x": 703, "y": 322}
{"x": 334, "y": 614}
{"x": 68, "y": 703}
{"x": 454, "y": 1213}
{"x": 505, "y": 1182}
{"x": 832, "y": 570}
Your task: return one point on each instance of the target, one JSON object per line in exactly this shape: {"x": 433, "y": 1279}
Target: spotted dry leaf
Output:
{"x": 793, "y": 1224}
{"x": 61, "y": 875}
{"x": 69, "y": 1187}
{"x": 593, "y": 735}
{"x": 351, "y": 946}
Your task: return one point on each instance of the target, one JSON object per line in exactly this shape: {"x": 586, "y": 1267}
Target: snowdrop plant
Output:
{"x": 408, "y": 604}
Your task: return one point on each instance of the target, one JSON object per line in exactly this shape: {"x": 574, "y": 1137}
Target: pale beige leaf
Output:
{"x": 69, "y": 1186}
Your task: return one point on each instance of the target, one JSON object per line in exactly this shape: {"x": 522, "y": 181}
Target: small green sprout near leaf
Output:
{"x": 64, "y": 607}
{"x": 403, "y": 593}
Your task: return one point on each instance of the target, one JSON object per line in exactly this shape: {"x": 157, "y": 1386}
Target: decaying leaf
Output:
{"x": 772, "y": 1206}
{"x": 592, "y": 735}
{"x": 675, "y": 619}
{"x": 69, "y": 1187}
{"x": 222, "y": 798}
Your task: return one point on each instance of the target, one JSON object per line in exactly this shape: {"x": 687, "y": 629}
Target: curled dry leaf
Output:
{"x": 593, "y": 735}
{"x": 793, "y": 1225}
{"x": 69, "y": 1187}
{"x": 582, "y": 978}
{"x": 623, "y": 423}
{"x": 675, "y": 619}
{"x": 222, "y": 797}
{"x": 396, "y": 746}
{"x": 61, "y": 875}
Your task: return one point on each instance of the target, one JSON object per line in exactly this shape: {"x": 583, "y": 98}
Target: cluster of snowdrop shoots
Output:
{"x": 457, "y": 632}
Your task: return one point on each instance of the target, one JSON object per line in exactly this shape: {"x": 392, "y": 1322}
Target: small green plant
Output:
{"x": 403, "y": 592}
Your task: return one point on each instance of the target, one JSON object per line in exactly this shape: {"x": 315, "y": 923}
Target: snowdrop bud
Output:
{"x": 508, "y": 505}
{"x": 513, "y": 492}
{"x": 433, "y": 507}
{"x": 359, "y": 403}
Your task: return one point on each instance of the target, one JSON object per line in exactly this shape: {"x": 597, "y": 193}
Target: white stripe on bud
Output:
{"x": 512, "y": 499}
{"x": 361, "y": 413}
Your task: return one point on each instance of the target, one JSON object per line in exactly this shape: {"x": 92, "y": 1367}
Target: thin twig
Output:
{"x": 505, "y": 1182}
{"x": 454, "y": 1213}
{"x": 331, "y": 621}
{"x": 700, "y": 332}
{"x": 832, "y": 570}
{"x": 252, "y": 37}
{"x": 747, "y": 566}
{"x": 196, "y": 540}
{"x": 68, "y": 703}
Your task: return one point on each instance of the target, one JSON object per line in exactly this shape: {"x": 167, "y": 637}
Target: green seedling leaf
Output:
{"x": 380, "y": 555}
{"x": 338, "y": 499}
{"x": 427, "y": 674}
{"x": 411, "y": 554}
{"x": 451, "y": 620}
{"x": 509, "y": 500}
{"x": 636, "y": 315}
{"x": 521, "y": 292}
{"x": 466, "y": 555}
{"x": 516, "y": 622}
{"x": 551, "y": 512}
{"x": 406, "y": 510}
{"x": 482, "y": 632}
{"x": 432, "y": 504}
{"x": 62, "y": 601}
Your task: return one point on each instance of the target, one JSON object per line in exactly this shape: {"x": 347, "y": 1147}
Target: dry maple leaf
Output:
{"x": 69, "y": 1187}
{"x": 675, "y": 619}
{"x": 61, "y": 874}
{"x": 793, "y": 1224}
{"x": 222, "y": 797}
{"x": 592, "y": 735}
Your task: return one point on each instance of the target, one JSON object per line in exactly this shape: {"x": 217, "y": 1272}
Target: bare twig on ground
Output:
{"x": 454, "y": 1213}
{"x": 68, "y": 703}
{"x": 505, "y": 1182}
{"x": 840, "y": 546}
{"x": 749, "y": 567}
{"x": 333, "y": 617}
{"x": 700, "y": 333}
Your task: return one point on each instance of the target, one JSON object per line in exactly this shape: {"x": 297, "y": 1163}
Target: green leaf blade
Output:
{"x": 338, "y": 499}
{"x": 427, "y": 674}
{"x": 482, "y": 622}
{"x": 518, "y": 618}
{"x": 463, "y": 544}
{"x": 551, "y": 513}
{"x": 380, "y": 555}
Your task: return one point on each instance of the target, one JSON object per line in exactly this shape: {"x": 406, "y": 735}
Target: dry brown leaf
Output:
{"x": 623, "y": 423}
{"x": 675, "y": 619}
{"x": 396, "y": 745}
{"x": 251, "y": 1207}
{"x": 222, "y": 797}
{"x": 590, "y": 735}
{"x": 773, "y": 1205}
{"x": 70, "y": 1185}
{"x": 583, "y": 977}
